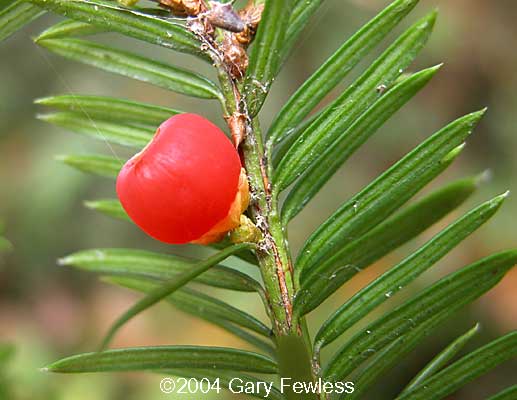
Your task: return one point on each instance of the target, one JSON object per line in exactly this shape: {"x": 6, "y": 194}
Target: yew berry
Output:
{"x": 186, "y": 185}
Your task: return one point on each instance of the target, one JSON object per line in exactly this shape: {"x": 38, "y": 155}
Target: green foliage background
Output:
{"x": 49, "y": 311}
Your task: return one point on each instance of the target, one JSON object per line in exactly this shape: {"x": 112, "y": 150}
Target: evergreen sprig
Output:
{"x": 298, "y": 154}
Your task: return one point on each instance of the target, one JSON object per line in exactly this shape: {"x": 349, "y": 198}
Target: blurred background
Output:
{"x": 48, "y": 312}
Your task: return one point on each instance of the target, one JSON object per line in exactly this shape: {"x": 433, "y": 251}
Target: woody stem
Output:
{"x": 294, "y": 350}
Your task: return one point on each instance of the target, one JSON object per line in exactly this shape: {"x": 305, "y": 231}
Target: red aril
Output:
{"x": 187, "y": 184}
